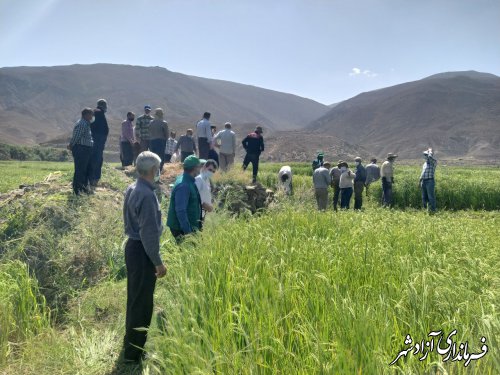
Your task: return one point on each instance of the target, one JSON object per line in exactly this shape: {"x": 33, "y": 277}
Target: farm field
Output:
{"x": 15, "y": 173}
{"x": 289, "y": 290}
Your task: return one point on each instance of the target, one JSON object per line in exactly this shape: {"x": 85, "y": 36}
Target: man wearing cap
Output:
{"x": 142, "y": 128}
{"x": 204, "y": 133}
{"x": 387, "y": 174}
{"x": 226, "y": 141}
{"x": 100, "y": 131}
{"x": 184, "y": 212}
{"x": 372, "y": 173}
{"x": 253, "y": 145}
{"x": 427, "y": 182}
{"x": 359, "y": 183}
{"x": 335, "y": 173}
{"x": 321, "y": 182}
{"x": 143, "y": 227}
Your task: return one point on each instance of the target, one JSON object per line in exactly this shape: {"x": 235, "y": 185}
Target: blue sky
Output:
{"x": 325, "y": 50}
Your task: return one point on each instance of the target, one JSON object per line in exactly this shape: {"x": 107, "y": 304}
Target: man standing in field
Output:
{"x": 158, "y": 134}
{"x": 204, "y": 186}
{"x": 346, "y": 185}
{"x": 226, "y": 141}
{"x": 427, "y": 182}
{"x": 143, "y": 226}
{"x": 372, "y": 173}
{"x": 100, "y": 131}
{"x": 387, "y": 173}
{"x": 204, "y": 133}
{"x": 253, "y": 145}
{"x": 127, "y": 140}
{"x": 321, "y": 182}
{"x": 142, "y": 128}
{"x": 186, "y": 144}
{"x": 359, "y": 184}
{"x": 80, "y": 145}
{"x": 184, "y": 212}
{"x": 170, "y": 148}
{"x": 335, "y": 176}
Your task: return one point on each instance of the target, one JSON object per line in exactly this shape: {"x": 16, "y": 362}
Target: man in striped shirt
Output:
{"x": 170, "y": 149}
{"x": 427, "y": 182}
{"x": 81, "y": 144}
{"x": 142, "y": 128}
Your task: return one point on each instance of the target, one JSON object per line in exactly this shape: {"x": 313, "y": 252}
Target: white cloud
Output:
{"x": 358, "y": 72}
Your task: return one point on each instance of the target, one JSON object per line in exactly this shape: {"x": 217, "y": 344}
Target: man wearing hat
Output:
{"x": 142, "y": 134}
{"x": 427, "y": 182}
{"x": 335, "y": 173}
{"x": 359, "y": 183}
{"x": 184, "y": 213}
{"x": 387, "y": 174}
{"x": 226, "y": 141}
{"x": 100, "y": 131}
{"x": 321, "y": 182}
{"x": 253, "y": 145}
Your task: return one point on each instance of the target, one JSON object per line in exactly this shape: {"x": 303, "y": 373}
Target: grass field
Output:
{"x": 285, "y": 292}
{"x": 15, "y": 173}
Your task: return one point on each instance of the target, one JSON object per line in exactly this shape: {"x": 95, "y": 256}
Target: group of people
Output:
{"x": 87, "y": 145}
{"x": 345, "y": 181}
{"x": 151, "y": 133}
{"x": 190, "y": 200}
{"x": 147, "y": 146}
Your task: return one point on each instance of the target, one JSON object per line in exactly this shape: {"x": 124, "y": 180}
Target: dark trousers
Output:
{"x": 185, "y": 154}
{"x": 158, "y": 147}
{"x": 212, "y": 154}
{"x": 97, "y": 158}
{"x": 336, "y": 195}
{"x": 178, "y": 235}
{"x": 254, "y": 159}
{"x": 386, "y": 192}
{"x": 141, "y": 280}
{"x": 345, "y": 197}
{"x": 144, "y": 145}
{"x": 167, "y": 158}
{"x": 136, "y": 149}
{"x": 81, "y": 158}
{"x": 428, "y": 194}
{"x": 126, "y": 154}
{"x": 358, "y": 194}
{"x": 203, "y": 147}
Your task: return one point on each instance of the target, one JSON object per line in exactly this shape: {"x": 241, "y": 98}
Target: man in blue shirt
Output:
{"x": 427, "y": 182}
{"x": 184, "y": 213}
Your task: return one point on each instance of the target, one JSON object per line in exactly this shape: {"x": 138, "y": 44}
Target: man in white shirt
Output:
{"x": 285, "y": 179}
{"x": 202, "y": 182}
{"x": 226, "y": 141}
{"x": 204, "y": 133}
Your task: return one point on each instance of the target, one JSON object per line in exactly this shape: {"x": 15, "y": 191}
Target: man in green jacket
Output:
{"x": 184, "y": 213}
